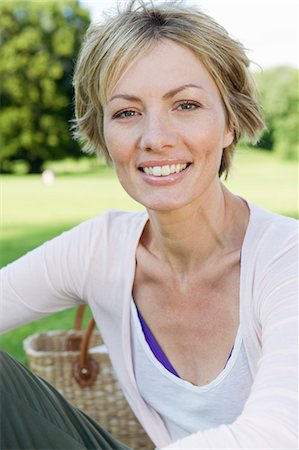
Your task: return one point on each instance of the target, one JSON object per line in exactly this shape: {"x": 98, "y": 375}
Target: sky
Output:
{"x": 267, "y": 28}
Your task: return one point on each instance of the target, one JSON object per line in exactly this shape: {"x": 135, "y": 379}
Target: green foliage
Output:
{"x": 279, "y": 97}
{"x": 38, "y": 43}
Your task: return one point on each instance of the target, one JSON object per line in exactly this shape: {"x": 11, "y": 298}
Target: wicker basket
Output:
{"x": 63, "y": 359}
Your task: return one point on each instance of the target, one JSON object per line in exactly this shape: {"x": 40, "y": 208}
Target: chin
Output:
{"x": 163, "y": 200}
{"x": 164, "y": 206}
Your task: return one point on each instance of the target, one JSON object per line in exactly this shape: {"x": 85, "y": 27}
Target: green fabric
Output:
{"x": 33, "y": 415}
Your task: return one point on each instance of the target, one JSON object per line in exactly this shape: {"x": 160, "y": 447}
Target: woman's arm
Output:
{"x": 48, "y": 279}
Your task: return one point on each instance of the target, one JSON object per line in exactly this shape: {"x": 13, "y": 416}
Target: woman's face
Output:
{"x": 165, "y": 129}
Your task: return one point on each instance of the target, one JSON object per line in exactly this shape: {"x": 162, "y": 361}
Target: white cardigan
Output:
{"x": 95, "y": 263}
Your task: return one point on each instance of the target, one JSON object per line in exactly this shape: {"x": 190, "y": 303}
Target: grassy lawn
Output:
{"x": 266, "y": 181}
{"x": 33, "y": 212}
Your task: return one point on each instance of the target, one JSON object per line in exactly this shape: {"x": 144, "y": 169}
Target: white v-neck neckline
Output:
{"x": 230, "y": 364}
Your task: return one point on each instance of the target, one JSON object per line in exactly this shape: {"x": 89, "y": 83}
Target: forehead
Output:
{"x": 164, "y": 66}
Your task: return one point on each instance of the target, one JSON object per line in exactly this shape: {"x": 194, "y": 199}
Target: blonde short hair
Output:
{"x": 110, "y": 47}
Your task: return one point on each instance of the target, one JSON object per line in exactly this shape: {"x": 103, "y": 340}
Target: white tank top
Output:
{"x": 184, "y": 407}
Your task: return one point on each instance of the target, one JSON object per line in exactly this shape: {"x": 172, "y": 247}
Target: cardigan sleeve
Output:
{"x": 269, "y": 418}
{"x": 50, "y": 278}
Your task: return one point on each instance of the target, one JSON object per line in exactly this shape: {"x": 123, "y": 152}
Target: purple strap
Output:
{"x": 154, "y": 346}
{"x": 156, "y": 349}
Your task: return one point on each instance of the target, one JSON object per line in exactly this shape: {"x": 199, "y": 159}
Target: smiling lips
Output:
{"x": 162, "y": 171}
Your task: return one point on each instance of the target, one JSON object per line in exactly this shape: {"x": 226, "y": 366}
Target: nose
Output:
{"x": 157, "y": 133}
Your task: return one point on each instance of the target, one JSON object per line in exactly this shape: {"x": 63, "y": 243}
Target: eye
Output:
{"x": 188, "y": 105}
{"x": 125, "y": 114}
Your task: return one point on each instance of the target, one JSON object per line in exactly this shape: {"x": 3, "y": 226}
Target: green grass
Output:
{"x": 33, "y": 212}
{"x": 266, "y": 180}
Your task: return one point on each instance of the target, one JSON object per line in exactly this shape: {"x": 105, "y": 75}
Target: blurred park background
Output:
{"x": 39, "y": 42}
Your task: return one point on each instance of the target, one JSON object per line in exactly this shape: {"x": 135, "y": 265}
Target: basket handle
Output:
{"x": 86, "y": 369}
{"x": 73, "y": 342}
{"x": 79, "y": 317}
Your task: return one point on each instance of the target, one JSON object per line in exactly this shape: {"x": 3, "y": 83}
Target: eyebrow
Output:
{"x": 166, "y": 96}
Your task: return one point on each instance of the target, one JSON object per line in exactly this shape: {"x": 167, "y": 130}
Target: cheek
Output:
{"x": 207, "y": 139}
{"x": 112, "y": 142}
{"x": 217, "y": 134}
{"x": 119, "y": 154}
{"x": 117, "y": 141}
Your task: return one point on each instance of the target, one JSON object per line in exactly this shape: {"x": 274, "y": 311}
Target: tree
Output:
{"x": 38, "y": 43}
{"x": 279, "y": 97}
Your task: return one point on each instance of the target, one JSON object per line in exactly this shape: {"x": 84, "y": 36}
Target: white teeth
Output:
{"x": 165, "y": 170}
{"x": 159, "y": 171}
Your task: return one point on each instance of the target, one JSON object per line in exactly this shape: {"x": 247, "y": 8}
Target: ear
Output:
{"x": 228, "y": 136}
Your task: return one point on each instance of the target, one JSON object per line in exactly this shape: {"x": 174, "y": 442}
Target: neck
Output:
{"x": 187, "y": 237}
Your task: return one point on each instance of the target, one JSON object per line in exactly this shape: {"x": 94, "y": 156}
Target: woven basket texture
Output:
{"x": 103, "y": 401}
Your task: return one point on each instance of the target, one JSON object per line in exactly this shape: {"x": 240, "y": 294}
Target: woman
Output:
{"x": 197, "y": 293}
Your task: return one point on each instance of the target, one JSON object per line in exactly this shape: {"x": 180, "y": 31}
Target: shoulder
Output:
{"x": 113, "y": 230}
{"x": 270, "y": 251}
{"x": 112, "y": 223}
{"x": 270, "y": 257}
{"x": 269, "y": 233}
{"x": 97, "y": 234}
{"x": 265, "y": 218}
